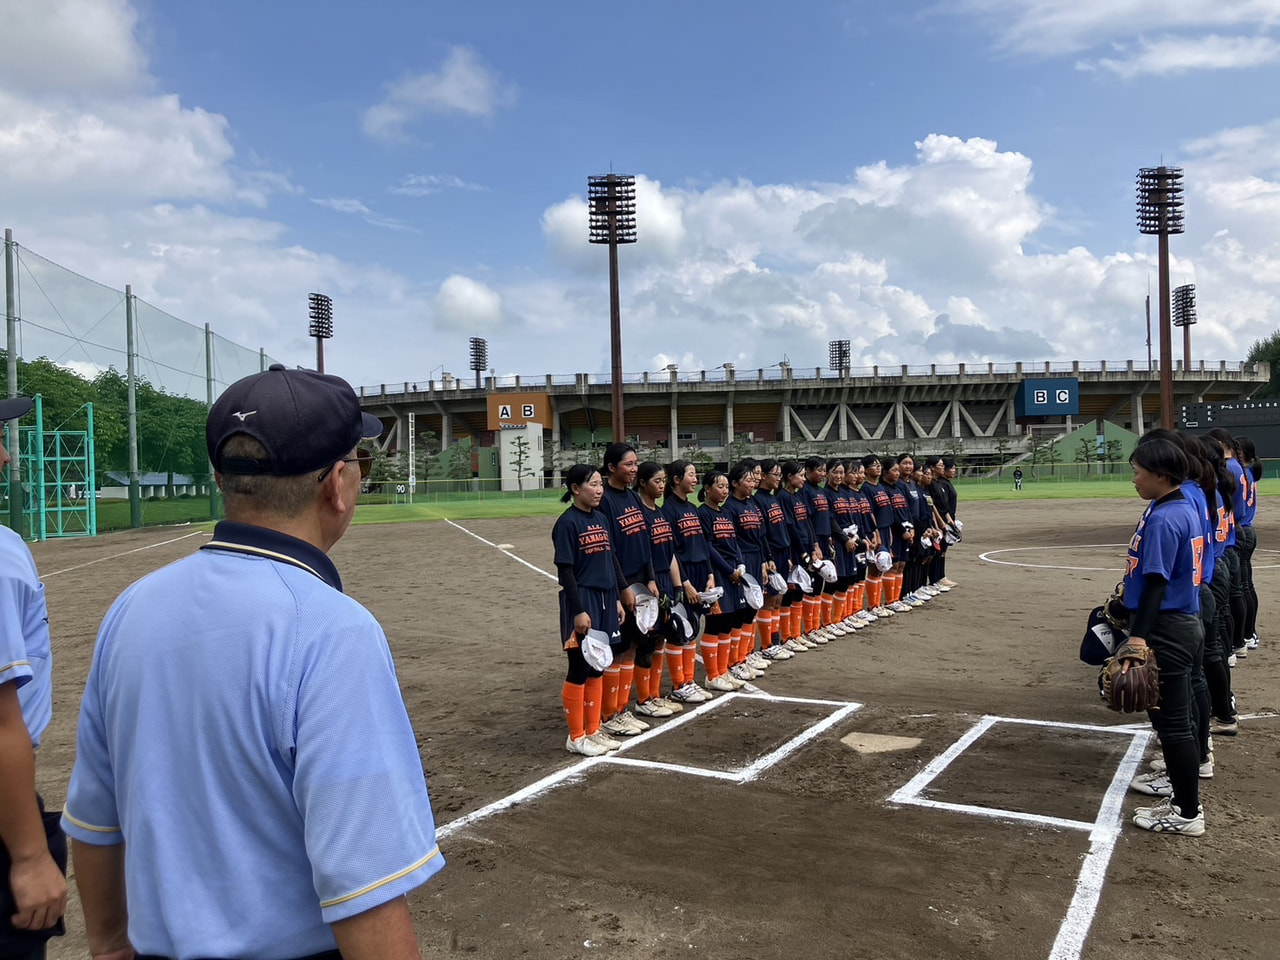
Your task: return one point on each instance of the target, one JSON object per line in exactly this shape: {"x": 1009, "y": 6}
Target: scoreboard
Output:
{"x": 1257, "y": 419}
{"x": 1059, "y": 397}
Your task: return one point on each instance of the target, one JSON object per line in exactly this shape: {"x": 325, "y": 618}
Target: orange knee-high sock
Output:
{"x": 642, "y": 683}
{"x": 675, "y": 665}
{"x": 763, "y": 619}
{"x": 710, "y": 657}
{"x": 812, "y": 613}
{"x": 827, "y": 601}
{"x": 841, "y": 608}
{"x": 689, "y": 656}
{"x": 655, "y": 676}
{"x": 609, "y": 701}
{"x": 735, "y": 645}
{"x": 723, "y": 643}
{"x": 864, "y": 602}
{"x": 593, "y": 694}
{"x": 897, "y": 587}
{"x": 795, "y": 620}
{"x": 874, "y": 589}
{"x": 624, "y": 686}
{"x": 572, "y": 697}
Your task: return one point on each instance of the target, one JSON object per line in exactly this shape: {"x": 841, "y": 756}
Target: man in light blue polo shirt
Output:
{"x": 247, "y": 783}
{"x": 34, "y": 889}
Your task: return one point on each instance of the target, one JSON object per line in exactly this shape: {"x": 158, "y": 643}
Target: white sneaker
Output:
{"x": 672, "y": 705}
{"x": 723, "y": 684}
{"x": 777, "y": 652}
{"x": 867, "y": 616}
{"x": 631, "y": 718}
{"x": 1164, "y": 817}
{"x": 1231, "y": 660}
{"x": 736, "y": 682}
{"x": 604, "y": 740}
{"x": 796, "y": 645}
{"x": 899, "y": 607}
{"x": 882, "y": 612}
{"x": 690, "y": 693}
{"x": 948, "y": 583}
{"x": 809, "y": 644}
{"x": 1154, "y": 784}
{"x": 757, "y": 660}
{"x": 920, "y": 595}
{"x": 1206, "y": 768}
{"x": 622, "y": 727}
{"x": 652, "y": 708}
{"x": 740, "y": 671}
{"x": 1253, "y": 642}
{"x": 585, "y": 746}
{"x": 940, "y": 587}
{"x": 853, "y": 623}
{"x": 931, "y": 590}
{"x": 818, "y": 638}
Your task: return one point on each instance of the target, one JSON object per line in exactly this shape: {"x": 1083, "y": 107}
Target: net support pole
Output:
{"x": 208, "y": 394}
{"x": 11, "y": 371}
{"x": 262, "y": 359}
{"x": 131, "y": 367}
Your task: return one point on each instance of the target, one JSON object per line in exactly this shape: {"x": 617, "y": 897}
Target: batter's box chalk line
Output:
{"x": 841, "y": 710}
{"x": 1103, "y": 832}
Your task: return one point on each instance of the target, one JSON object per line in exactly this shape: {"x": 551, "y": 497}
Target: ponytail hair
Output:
{"x": 739, "y": 473}
{"x": 790, "y": 468}
{"x": 576, "y": 476}
{"x": 647, "y": 471}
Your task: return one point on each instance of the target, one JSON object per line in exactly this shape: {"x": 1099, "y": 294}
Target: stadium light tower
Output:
{"x": 321, "y": 327}
{"x": 479, "y": 357}
{"x": 611, "y": 202}
{"x": 1160, "y": 214}
{"x": 1184, "y": 315}
{"x": 838, "y": 356}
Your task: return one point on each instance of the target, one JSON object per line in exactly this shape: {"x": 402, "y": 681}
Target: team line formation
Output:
{"x": 780, "y": 558}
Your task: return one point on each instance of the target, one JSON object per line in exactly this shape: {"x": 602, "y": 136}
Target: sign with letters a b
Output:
{"x": 517, "y": 409}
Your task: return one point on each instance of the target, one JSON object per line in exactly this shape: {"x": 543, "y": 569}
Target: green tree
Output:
{"x": 738, "y": 449}
{"x": 1113, "y": 451}
{"x": 1002, "y": 451}
{"x": 955, "y": 448}
{"x": 1268, "y": 351}
{"x": 1052, "y": 455}
{"x": 1036, "y": 445}
{"x": 1087, "y": 453}
{"x": 699, "y": 458}
{"x": 520, "y": 461}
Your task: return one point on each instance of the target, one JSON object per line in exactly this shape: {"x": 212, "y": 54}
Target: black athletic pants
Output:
{"x": 1177, "y": 639}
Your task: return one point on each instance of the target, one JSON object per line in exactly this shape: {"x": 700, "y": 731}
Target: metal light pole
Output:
{"x": 321, "y": 328}
{"x": 1184, "y": 315}
{"x": 612, "y": 219}
{"x": 1160, "y": 213}
{"x": 479, "y": 357}
{"x": 11, "y": 374}
{"x": 838, "y": 356}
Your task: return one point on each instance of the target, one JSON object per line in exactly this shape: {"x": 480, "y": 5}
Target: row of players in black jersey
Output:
{"x": 779, "y": 559}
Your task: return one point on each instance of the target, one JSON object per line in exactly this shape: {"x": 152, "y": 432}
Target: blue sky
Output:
{"x": 945, "y": 182}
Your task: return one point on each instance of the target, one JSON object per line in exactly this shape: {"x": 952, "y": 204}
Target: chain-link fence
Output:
{"x": 70, "y": 339}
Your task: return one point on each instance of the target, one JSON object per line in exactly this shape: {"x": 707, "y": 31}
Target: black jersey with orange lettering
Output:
{"x": 750, "y": 524}
{"x": 819, "y": 503}
{"x": 686, "y": 525}
{"x": 630, "y": 532}
{"x": 775, "y": 522}
{"x": 582, "y": 541}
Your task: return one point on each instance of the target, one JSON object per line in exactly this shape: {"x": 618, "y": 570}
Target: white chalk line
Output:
{"x": 990, "y": 555}
{"x": 549, "y": 576}
{"x": 578, "y": 770}
{"x": 117, "y": 556}
{"x": 1104, "y": 832}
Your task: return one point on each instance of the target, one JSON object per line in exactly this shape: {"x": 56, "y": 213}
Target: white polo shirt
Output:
{"x": 25, "y": 657}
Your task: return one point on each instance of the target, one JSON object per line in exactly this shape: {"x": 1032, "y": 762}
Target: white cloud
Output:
{"x": 425, "y": 184}
{"x": 1170, "y": 55}
{"x": 464, "y": 84}
{"x": 360, "y": 209}
{"x": 76, "y": 46}
{"x": 467, "y": 305}
{"x": 1052, "y": 27}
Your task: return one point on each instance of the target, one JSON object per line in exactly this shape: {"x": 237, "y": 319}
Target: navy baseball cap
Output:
{"x": 306, "y": 421}
{"x": 15, "y": 407}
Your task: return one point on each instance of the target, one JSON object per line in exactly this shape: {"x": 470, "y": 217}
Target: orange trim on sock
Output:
{"x": 593, "y": 694}
{"x": 572, "y": 698}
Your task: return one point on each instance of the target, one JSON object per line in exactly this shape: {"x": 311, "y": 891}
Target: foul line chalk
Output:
{"x": 117, "y": 556}
{"x": 990, "y": 557}
{"x": 549, "y": 576}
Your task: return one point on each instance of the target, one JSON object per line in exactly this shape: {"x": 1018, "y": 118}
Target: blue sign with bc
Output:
{"x": 1047, "y": 398}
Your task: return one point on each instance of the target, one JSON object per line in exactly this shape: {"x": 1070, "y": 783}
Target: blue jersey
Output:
{"x": 243, "y": 734}
{"x": 796, "y": 511}
{"x": 775, "y": 520}
{"x": 662, "y": 547}
{"x": 881, "y": 504}
{"x": 722, "y": 537}
{"x": 629, "y": 532}
{"x": 1246, "y": 493}
{"x": 818, "y": 501}
{"x": 582, "y": 540}
{"x": 1169, "y": 541}
{"x": 749, "y": 523}
{"x": 25, "y": 657}
{"x": 691, "y": 543}
{"x": 1195, "y": 496}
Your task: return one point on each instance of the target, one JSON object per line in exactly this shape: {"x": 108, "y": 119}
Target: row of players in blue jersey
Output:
{"x": 1189, "y": 586}
{"x": 755, "y": 526}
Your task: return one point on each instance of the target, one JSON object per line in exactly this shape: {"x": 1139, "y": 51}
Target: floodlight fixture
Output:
{"x": 1160, "y": 192}
{"x": 479, "y": 357}
{"x": 611, "y": 219}
{"x": 838, "y": 355}
{"x": 321, "y": 327}
{"x": 1184, "y": 315}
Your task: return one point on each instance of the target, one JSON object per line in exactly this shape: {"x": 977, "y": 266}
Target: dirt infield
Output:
{"x": 726, "y": 836}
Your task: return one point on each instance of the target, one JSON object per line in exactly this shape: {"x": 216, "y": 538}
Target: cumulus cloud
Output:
{"x": 468, "y": 305}
{"x": 76, "y": 46}
{"x": 463, "y": 84}
{"x": 1170, "y": 55}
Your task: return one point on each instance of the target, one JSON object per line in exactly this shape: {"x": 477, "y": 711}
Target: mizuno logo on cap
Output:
{"x": 242, "y": 417}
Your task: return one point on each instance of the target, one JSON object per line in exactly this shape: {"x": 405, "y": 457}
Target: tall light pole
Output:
{"x": 838, "y": 356}
{"x": 1184, "y": 315}
{"x": 1160, "y": 214}
{"x": 611, "y": 201}
{"x": 321, "y": 327}
{"x": 479, "y": 357}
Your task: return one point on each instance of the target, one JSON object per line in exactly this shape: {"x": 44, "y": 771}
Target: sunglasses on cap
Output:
{"x": 363, "y": 457}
